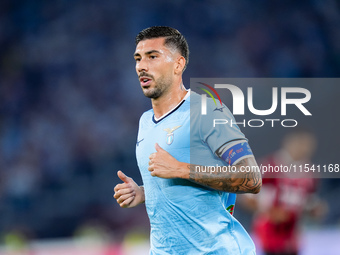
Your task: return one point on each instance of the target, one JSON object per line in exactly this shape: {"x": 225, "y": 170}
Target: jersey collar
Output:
{"x": 156, "y": 120}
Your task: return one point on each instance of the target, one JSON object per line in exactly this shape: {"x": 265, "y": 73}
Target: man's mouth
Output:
{"x": 145, "y": 81}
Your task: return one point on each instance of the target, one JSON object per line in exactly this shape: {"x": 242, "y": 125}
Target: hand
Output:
{"x": 163, "y": 165}
{"x": 128, "y": 194}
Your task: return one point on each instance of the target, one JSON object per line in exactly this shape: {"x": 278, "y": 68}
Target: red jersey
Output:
{"x": 283, "y": 202}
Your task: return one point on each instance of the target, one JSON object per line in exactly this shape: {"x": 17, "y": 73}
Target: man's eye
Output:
{"x": 137, "y": 59}
{"x": 153, "y": 57}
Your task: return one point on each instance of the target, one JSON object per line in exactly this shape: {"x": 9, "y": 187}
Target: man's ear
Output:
{"x": 179, "y": 65}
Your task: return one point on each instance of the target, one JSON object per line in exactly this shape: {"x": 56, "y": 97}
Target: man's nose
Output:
{"x": 142, "y": 66}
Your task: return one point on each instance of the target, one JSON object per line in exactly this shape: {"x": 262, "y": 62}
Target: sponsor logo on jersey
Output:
{"x": 138, "y": 142}
{"x": 219, "y": 109}
{"x": 230, "y": 209}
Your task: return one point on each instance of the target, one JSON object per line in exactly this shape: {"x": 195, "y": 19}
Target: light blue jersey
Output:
{"x": 187, "y": 218}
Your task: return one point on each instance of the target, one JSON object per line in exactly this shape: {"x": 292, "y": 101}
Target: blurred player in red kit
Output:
{"x": 285, "y": 197}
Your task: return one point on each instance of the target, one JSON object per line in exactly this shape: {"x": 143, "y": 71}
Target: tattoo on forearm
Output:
{"x": 229, "y": 181}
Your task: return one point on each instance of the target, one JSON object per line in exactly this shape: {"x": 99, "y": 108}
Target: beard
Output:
{"x": 162, "y": 85}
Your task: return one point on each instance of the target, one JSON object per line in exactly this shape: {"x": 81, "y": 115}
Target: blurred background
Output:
{"x": 70, "y": 102}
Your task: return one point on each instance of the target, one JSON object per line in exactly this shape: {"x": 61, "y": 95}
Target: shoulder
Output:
{"x": 194, "y": 97}
{"x": 196, "y": 100}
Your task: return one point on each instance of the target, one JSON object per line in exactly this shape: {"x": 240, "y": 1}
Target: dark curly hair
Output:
{"x": 173, "y": 38}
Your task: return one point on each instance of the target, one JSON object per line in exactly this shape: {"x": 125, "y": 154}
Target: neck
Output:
{"x": 168, "y": 100}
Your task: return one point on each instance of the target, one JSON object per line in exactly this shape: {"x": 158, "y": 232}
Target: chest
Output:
{"x": 173, "y": 135}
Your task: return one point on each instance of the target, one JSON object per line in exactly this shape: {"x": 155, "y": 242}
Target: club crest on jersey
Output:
{"x": 170, "y": 134}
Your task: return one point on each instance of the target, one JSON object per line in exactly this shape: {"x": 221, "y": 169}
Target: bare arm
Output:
{"x": 236, "y": 181}
{"x": 163, "y": 165}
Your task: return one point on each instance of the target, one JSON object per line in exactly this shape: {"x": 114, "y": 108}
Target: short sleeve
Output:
{"x": 218, "y": 127}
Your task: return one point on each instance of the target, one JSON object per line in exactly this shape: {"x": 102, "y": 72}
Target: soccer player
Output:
{"x": 186, "y": 204}
{"x": 286, "y": 197}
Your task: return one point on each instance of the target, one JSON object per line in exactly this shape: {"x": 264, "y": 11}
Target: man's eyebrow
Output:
{"x": 146, "y": 53}
{"x": 151, "y": 51}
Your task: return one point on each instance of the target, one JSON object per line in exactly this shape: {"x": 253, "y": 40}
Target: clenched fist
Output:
{"x": 163, "y": 165}
{"x": 128, "y": 194}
